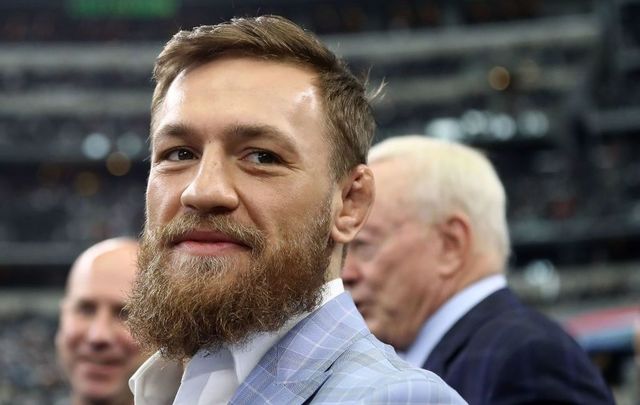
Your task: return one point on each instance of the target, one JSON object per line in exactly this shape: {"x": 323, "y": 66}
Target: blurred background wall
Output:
{"x": 550, "y": 90}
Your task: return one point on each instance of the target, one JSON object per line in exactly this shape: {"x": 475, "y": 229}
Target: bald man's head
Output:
{"x": 94, "y": 347}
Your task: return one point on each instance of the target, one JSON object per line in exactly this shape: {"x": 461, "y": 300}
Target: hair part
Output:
{"x": 350, "y": 124}
{"x": 445, "y": 176}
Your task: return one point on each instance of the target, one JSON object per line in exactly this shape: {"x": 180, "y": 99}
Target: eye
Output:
{"x": 122, "y": 314}
{"x": 262, "y": 157}
{"x": 180, "y": 154}
{"x": 362, "y": 250}
{"x": 85, "y": 308}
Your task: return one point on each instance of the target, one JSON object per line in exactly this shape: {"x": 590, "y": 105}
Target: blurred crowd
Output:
{"x": 29, "y": 373}
{"x": 62, "y": 20}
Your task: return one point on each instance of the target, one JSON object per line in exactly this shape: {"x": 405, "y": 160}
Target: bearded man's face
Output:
{"x": 241, "y": 206}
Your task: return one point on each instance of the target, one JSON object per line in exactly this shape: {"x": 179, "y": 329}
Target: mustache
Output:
{"x": 167, "y": 235}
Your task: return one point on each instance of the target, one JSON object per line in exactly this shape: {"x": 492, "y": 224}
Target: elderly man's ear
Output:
{"x": 353, "y": 204}
{"x": 455, "y": 243}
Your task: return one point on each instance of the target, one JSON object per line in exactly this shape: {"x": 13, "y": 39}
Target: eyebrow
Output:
{"x": 235, "y": 132}
{"x": 260, "y": 131}
{"x": 174, "y": 130}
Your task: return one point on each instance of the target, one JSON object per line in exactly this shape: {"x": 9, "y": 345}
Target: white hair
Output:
{"x": 447, "y": 176}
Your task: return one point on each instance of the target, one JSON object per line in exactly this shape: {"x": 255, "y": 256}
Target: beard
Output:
{"x": 182, "y": 303}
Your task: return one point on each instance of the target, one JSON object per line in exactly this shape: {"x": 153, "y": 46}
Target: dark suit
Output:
{"x": 502, "y": 352}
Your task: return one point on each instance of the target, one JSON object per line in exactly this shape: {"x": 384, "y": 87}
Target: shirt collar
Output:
{"x": 247, "y": 356}
{"x": 158, "y": 379}
{"x": 155, "y": 380}
{"x": 448, "y": 314}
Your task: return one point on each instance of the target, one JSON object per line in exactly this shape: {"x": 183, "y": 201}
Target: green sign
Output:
{"x": 122, "y": 8}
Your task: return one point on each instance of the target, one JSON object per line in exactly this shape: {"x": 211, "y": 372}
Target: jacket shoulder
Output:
{"x": 526, "y": 356}
{"x": 370, "y": 372}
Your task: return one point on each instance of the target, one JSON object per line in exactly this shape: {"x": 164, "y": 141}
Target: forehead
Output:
{"x": 241, "y": 88}
{"x": 107, "y": 276}
{"x": 245, "y": 72}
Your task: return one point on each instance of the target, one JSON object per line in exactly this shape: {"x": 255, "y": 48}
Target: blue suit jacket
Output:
{"x": 330, "y": 357}
{"x": 502, "y": 352}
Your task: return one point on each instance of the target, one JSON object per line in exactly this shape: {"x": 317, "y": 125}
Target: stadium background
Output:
{"x": 550, "y": 90}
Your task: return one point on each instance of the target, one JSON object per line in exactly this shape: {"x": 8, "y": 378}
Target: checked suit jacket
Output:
{"x": 330, "y": 357}
{"x": 502, "y": 352}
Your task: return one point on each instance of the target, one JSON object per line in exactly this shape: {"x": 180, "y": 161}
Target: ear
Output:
{"x": 356, "y": 198}
{"x": 456, "y": 236}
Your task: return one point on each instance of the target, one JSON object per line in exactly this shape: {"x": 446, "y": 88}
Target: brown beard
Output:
{"x": 179, "y": 305}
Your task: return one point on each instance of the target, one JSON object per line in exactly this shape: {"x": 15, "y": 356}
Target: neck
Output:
{"x": 481, "y": 266}
{"x": 335, "y": 263}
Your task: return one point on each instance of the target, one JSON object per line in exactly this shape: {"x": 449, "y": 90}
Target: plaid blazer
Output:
{"x": 502, "y": 352}
{"x": 330, "y": 357}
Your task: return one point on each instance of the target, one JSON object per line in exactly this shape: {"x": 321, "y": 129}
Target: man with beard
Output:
{"x": 94, "y": 347}
{"x": 259, "y": 136}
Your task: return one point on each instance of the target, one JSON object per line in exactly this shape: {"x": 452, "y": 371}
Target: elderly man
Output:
{"x": 94, "y": 347}
{"x": 259, "y": 136}
{"x": 427, "y": 274}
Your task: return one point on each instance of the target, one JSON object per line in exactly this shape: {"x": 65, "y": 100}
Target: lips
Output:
{"x": 363, "y": 306}
{"x": 207, "y": 243}
{"x": 102, "y": 360}
{"x": 100, "y": 371}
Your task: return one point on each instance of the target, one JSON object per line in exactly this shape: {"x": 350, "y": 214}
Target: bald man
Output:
{"x": 95, "y": 349}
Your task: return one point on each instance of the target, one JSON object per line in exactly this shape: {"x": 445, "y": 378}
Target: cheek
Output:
{"x": 394, "y": 279}
{"x": 382, "y": 273}
{"x": 281, "y": 210}
{"x": 375, "y": 275}
{"x": 68, "y": 339}
{"x": 408, "y": 259}
{"x": 123, "y": 337}
{"x": 133, "y": 352}
{"x": 162, "y": 199}
{"x": 129, "y": 344}
{"x": 72, "y": 331}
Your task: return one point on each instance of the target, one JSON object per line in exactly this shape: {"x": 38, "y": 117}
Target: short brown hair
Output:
{"x": 350, "y": 123}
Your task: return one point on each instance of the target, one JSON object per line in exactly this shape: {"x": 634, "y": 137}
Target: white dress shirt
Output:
{"x": 447, "y": 315}
{"x": 210, "y": 378}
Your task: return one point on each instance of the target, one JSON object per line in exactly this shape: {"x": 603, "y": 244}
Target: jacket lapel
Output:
{"x": 296, "y": 367}
{"x": 457, "y": 337}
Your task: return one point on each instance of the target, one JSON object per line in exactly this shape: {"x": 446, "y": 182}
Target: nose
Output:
{"x": 102, "y": 330}
{"x": 212, "y": 187}
{"x": 351, "y": 271}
